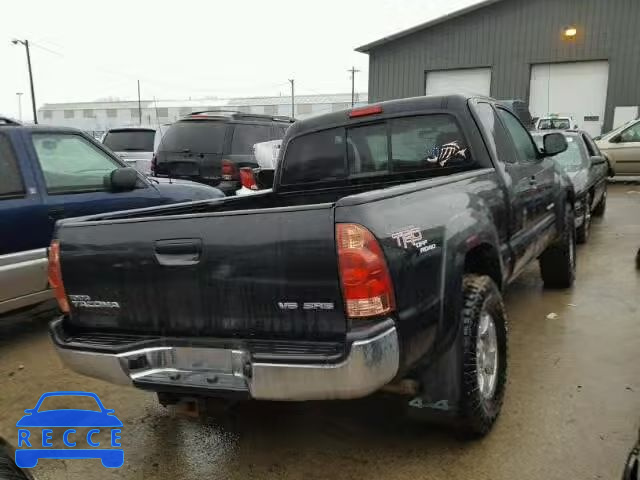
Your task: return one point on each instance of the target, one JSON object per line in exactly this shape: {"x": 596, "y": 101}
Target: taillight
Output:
{"x": 154, "y": 164}
{"x": 55, "y": 276}
{"x": 247, "y": 178}
{"x": 229, "y": 170}
{"x": 366, "y": 283}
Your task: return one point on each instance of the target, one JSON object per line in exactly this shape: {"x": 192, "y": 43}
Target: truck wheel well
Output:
{"x": 483, "y": 260}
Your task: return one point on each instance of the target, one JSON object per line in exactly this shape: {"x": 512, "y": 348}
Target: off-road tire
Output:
{"x": 481, "y": 295}
{"x": 602, "y": 206}
{"x": 582, "y": 233}
{"x": 8, "y": 468}
{"x": 558, "y": 261}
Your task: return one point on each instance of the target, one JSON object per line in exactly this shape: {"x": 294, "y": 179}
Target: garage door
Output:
{"x": 577, "y": 89}
{"x": 475, "y": 81}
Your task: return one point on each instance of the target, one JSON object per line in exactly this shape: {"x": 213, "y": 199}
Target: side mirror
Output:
{"x": 615, "y": 139}
{"x": 121, "y": 180}
{"x": 554, "y": 143}
{"x": 597, "y": 160}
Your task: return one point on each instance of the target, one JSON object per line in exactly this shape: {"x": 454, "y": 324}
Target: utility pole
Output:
{"x": 353, "y": 85}
{"x": 19, "y": 94}
{"x": 33, "y": 95}
{"x": 293, "y": 99}
{"x": 139, "y": 105}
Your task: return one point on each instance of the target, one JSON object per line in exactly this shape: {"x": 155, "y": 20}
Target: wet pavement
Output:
{"x": 572, "y": 406}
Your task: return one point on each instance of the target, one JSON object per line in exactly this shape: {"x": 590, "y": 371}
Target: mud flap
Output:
{"x": 440, "y": 388}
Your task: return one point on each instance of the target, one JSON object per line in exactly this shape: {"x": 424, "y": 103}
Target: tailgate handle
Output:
{"x": 178, "y": 251}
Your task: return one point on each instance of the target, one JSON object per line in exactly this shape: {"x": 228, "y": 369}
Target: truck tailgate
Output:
{"x": 268, "y": 273}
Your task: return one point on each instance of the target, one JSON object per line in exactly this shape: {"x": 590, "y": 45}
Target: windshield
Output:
{"x": 554, "y": 124}
{"x": 130, "y": 140}
{"x": 197, "y": 136}
{"x": 572, "y": 159}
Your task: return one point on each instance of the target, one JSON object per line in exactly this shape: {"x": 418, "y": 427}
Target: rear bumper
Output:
{"x": 371, "y": 362}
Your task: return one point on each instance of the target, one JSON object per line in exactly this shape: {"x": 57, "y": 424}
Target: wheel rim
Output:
{"x": 487, "y": 356}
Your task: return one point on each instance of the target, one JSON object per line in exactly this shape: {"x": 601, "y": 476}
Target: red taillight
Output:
{"x": 366, "y": 283}
{"x": 229, "y": 170}
{"x": 247, "y": 178}
{"x": 55, "y": 276}
{"x": 364, "y": 111}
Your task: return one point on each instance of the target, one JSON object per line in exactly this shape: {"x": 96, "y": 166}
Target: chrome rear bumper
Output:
{"x": 370, "y": 364}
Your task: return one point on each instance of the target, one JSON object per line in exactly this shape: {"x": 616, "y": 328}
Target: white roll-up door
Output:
{"x": 474, "y": 81}
{"x": 576, "y": 89}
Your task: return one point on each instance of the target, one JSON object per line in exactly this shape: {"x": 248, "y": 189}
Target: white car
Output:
{"x": 135, "y": 145}
{"x": 555, "y": 122}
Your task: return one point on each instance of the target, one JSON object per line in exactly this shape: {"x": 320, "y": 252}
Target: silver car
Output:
{"x": 135, "y": 145}
{"x": 622, "y": 147}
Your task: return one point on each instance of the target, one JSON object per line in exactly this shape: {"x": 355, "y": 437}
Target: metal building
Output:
{"x": 571, "y": 57}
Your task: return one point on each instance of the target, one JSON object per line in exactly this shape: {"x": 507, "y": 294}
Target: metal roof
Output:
{"x": 286, "y": 99}
{"x": 209, "y": 103}
{"x": 428, "y": 24}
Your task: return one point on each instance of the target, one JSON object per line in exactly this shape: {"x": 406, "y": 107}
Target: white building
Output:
{"x": 97, "y": 117}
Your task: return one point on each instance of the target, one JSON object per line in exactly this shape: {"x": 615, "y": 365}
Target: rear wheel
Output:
{"x": 602, "y": 206}
{"x": 485, "y": 354}
{"x": 558, "y": 261}
{"x": 582, "y": 233}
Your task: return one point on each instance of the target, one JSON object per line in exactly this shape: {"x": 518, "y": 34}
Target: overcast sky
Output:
{"x": 86, "y": 50}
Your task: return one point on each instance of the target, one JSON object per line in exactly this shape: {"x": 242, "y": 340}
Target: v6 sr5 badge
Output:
{"x": 411, "y": 237}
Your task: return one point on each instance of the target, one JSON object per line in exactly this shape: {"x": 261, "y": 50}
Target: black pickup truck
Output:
{"x": 376, "y": 262}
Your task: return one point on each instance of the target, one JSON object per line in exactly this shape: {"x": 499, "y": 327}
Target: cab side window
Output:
{"x": 10, "y": 178}
{"x": 525, "y": 148}
{"x": 495, "y": 134}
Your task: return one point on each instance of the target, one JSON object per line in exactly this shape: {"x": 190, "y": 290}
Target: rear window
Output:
{"x": 130, "y": 140}
{"x": 429, "y": 145}
{"x": 198, "y": 136}
{"x": 246, "y": 136}
{"x": 315, "y": 157}
{"x": 554, "y": 124}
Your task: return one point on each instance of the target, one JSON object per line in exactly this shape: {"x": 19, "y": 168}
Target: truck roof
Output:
{"x": 389, "y": 107}
{"x": 47, "y": 128}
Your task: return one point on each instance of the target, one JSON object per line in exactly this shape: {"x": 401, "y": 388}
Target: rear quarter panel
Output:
{"x": 425, "y": 235}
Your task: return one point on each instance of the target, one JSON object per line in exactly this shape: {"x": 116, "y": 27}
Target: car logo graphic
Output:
{"x": 34, "y": 430}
